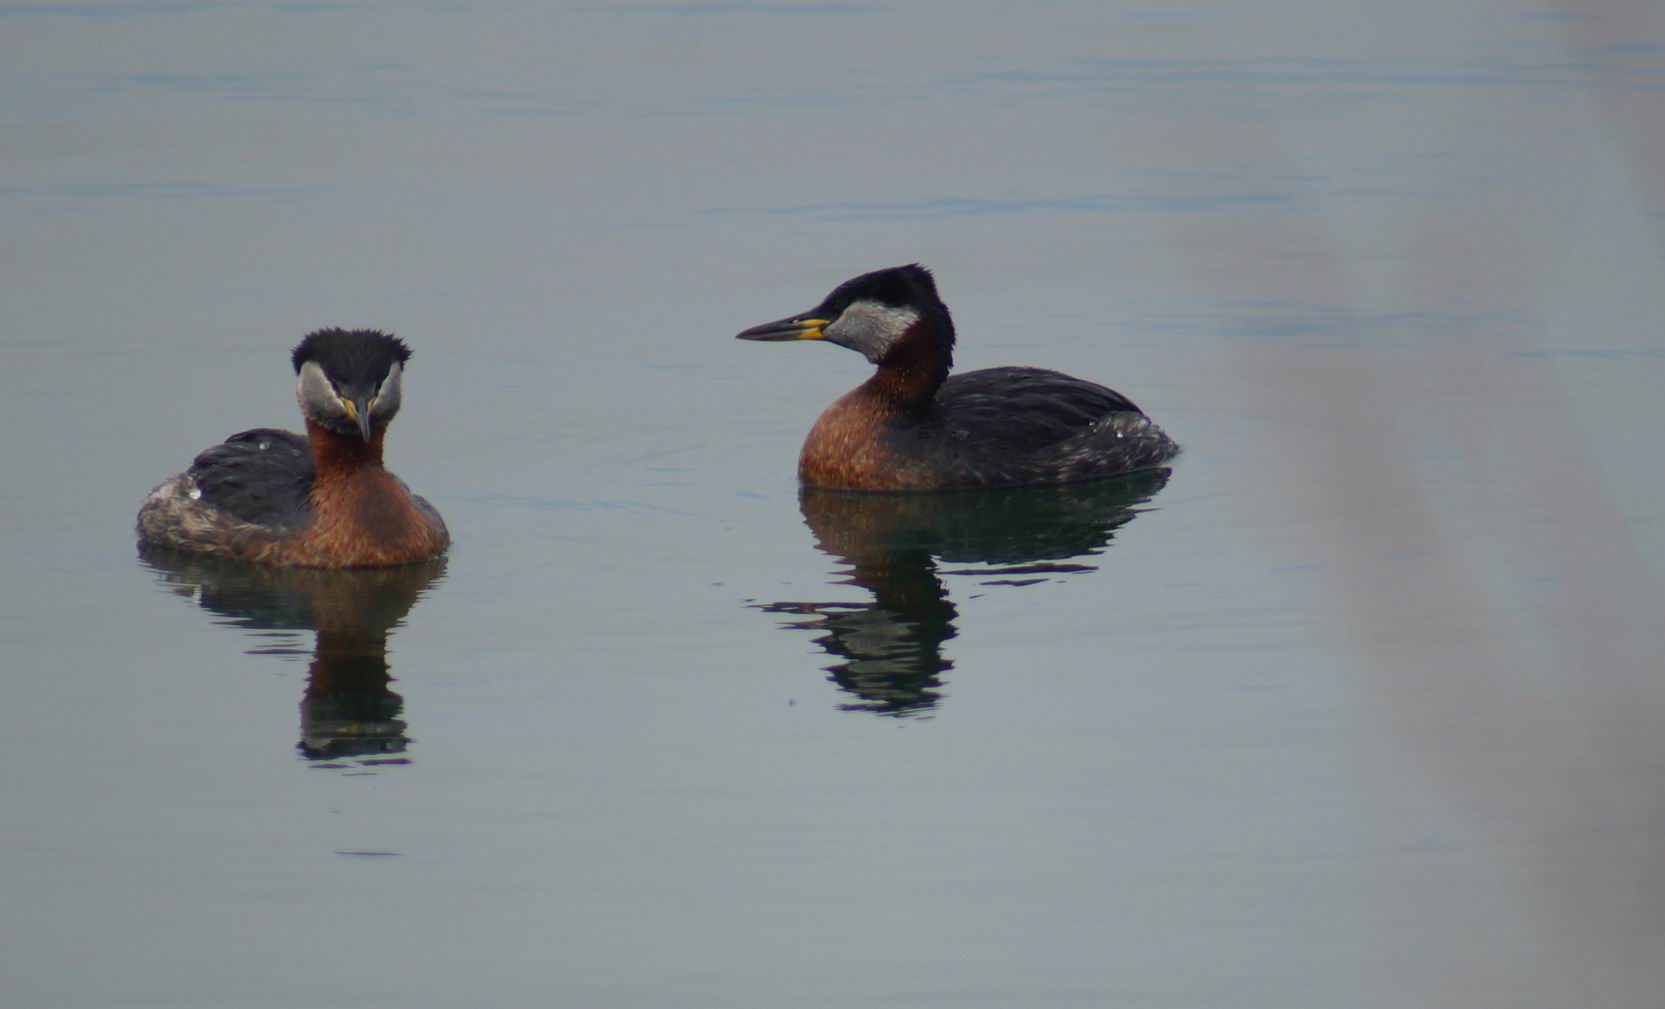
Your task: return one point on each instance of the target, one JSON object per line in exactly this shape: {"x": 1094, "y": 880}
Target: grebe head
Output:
{"x": 870, "y": 314}
{"x": 349, "y": 379}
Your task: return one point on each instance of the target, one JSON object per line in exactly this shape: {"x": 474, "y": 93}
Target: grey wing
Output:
{"x": 1024, "y": 410}
{"x": 261, "y": 476}
{"x": 428, "y": 511}
{"x": 1003, "y": 427}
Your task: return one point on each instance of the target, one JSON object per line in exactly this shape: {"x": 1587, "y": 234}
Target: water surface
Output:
{"x": 1358, "y": 705}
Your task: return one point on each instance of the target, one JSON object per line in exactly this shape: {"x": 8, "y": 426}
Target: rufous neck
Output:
{"x": 335, "y": 453}
{"x": 913, "y": 369}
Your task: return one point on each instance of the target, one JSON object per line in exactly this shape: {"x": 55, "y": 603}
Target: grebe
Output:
{"x": 322, "y": 501}
{"x": 912, "y": 427}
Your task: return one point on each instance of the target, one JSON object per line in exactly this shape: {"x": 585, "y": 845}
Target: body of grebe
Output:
{"x": 323, "y": 500}
{"x": 914, "y": 427}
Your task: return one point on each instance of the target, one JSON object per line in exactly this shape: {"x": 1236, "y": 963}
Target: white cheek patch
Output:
{"x": 387, "y": 394}
{"x": 871, "y": 327}
{"x": 876, "y": 321}
{"x": 317, "y": 396}
{"x": 312, "y": 385}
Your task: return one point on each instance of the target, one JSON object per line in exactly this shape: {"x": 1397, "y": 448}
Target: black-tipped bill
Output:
{"x": 358, "y": 410}
{"x": 795, "y": 328}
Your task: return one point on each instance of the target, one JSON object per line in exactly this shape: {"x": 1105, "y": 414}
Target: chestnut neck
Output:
{"x": 914, "y": 368}
{"x": 336, "y": 455}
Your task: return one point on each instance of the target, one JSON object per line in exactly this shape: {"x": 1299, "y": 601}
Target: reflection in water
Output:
{"x": 890, "y": 650}
{"x": 348, "y": 710}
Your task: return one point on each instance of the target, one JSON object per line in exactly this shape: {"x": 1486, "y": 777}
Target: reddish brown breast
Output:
{"x": 362, "y": 516}
{"x": 851, "y": 446}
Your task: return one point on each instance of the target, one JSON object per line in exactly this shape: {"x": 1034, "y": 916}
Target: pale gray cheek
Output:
{"x": 871, "y": 328}
{"x": 317, "y": 398}
{"x": 387, "y": 397}
{"x": 859, "y": 333}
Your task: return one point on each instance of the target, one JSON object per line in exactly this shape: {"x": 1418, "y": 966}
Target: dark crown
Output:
{"x": 898, "y": 286}
{"x": 351, "y": 355}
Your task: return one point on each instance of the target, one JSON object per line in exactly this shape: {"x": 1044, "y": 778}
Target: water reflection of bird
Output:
{"x": 890, "y": 649}
{"x": 324, "y": 500}
{"x": 913, "y": 427}
{"x": 348, "y": 709}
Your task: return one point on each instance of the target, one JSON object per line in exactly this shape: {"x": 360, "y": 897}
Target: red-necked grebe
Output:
{"x": 913, "y": 427}
{"x": 323, "y": 500}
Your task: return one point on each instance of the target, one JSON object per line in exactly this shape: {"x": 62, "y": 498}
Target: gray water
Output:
{"x": 1358, "y": 706}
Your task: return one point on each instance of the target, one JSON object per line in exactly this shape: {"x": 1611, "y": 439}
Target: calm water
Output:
{"x": 1358, "y": 706}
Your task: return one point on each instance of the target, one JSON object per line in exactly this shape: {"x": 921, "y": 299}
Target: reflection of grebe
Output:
{"x": 890, "y": 649}
{"x": 322, "y": 501}
{"x": 912, "y": 427}
{"x": 348, "y": 709}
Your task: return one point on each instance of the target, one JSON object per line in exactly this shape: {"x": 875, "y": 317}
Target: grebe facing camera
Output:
{"x": 324, "y": 500}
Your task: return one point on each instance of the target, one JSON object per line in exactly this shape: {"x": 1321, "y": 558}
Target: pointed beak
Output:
{"x": 795, "y": 328}
{"x": 358, "y": 411}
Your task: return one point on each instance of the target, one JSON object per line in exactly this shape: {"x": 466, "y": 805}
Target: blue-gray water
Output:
{"x": 1362, "y": 708}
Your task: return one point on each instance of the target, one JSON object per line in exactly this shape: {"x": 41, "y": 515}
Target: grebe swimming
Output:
{"x": 913, "y": 427}
{"x": 324, "y": 500}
